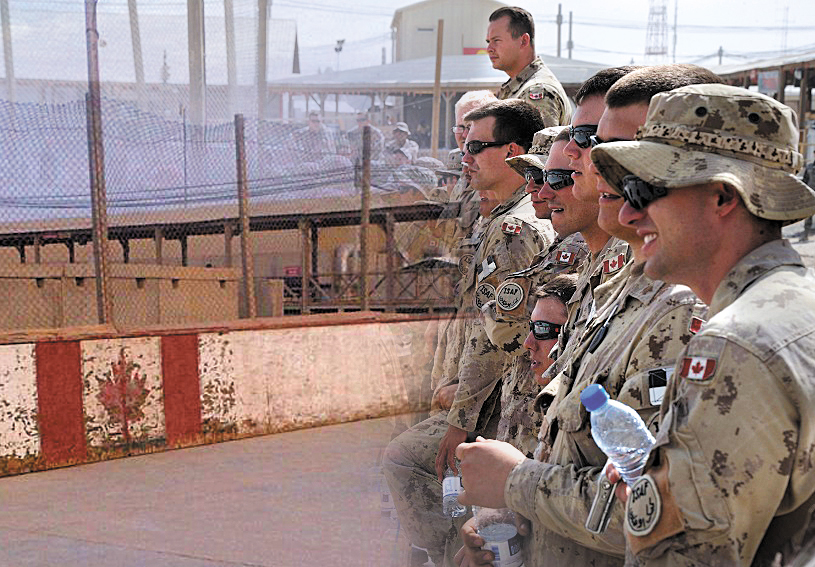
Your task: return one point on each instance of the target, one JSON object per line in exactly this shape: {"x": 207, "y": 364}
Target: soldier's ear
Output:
{"x": 727, "y": 198}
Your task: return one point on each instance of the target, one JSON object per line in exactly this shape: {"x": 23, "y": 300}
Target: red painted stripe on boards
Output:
{"x": 59, "y": 401}
{"x": 182, "y": 388}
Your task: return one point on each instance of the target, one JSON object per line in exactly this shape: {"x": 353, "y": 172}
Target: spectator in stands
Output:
{"x": 400, "y": 141}
{"x": 314, "y": 141}
{"x": 355, "y": 139}
{"x": 511, "y": 48}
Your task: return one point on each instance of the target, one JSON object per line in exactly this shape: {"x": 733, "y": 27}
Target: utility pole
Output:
{"x": 676, "y": 24}
{"x": 338, "y": 49}
{"x": 135, "y": 40}
{"x": 720, "y": 53}
{"x": 559, "y": 24}
{"x": 570, "y": 43}
{"x": 434, "y": 132}
{"x": 9, "y": 59}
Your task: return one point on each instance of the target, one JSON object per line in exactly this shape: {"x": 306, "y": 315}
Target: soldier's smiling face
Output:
{"x": 617, "y": 124}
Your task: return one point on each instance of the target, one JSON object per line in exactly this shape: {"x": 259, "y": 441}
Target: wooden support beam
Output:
{"x": 158, "y": 239}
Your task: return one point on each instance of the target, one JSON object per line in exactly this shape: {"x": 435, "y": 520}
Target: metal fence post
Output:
{"x": 247, "y": 262}
{"x": 365, "y": 217}
{"x": 96, "y": 164}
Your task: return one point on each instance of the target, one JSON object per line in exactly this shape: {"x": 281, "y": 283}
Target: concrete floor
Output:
{"x": 307, "y": 498}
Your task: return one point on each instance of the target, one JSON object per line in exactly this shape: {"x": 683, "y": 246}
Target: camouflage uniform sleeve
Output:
{"x": 548, "y": 102}
{"x": 560, "y": 496}
{"x": 482, "y": 363}
{"x": 726, "y": 487}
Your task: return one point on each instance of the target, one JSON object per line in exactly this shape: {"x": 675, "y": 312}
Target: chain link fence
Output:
{"x": 170, "y": 170}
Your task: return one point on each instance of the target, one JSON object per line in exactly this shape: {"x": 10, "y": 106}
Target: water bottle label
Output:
{"x": 508, "y": 552}
{"x": 451, "y": 485}
{"x": 644, "y": 507}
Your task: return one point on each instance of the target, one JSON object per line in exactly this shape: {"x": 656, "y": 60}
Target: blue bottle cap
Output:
{"x": 593, "y": 397}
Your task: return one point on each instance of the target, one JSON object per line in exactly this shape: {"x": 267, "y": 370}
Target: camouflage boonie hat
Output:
{"x": 717, "y": 133}
{"x": 539, "y": 151}
{"x": 453, "y": 164}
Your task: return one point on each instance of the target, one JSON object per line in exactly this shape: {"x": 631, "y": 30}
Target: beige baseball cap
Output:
{"x": 717, "y": 133}
{"x": 539, "y": 151}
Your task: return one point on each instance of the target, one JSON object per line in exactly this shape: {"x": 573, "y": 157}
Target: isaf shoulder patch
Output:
{"x": 464, "y": 263}
{"x": 644, "y": 507}
{"x": 484, "y": 292}
{"x": 509, "y": 296}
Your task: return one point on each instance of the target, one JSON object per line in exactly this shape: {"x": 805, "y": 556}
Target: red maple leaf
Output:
{"x": 698, "y": 367}
{"x": 123, "y": 394}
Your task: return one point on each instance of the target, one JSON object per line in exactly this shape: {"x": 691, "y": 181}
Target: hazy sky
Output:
{"x": 610, "y": 32}
{"x": 49, "y": 34}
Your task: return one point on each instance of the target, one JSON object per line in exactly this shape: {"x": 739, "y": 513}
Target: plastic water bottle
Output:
{"x": 497, "y": 528}
{"x": 619, "y": 432}
{"x": 451, "y": 487}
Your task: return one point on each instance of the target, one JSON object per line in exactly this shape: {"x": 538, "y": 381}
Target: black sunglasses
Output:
{"x": 596, "y": 140}
{"x": 639, "y": 193}
{"x": 557, "y": 178}
{"x": 477, "y": 146}
{"x": 582, "y": 134}
{"x": 544, "y": 330}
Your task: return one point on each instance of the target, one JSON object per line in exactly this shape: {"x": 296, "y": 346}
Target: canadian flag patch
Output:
{"x": 695, "y": 325}
{"x": 535, "y": 95}
{"x": 511, "y": 228}
{"x": 613, "y": 264}
{"x": 564, "y": 257}
{"x": 698, "y": 368}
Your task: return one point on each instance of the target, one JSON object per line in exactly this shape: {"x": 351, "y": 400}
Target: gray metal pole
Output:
{"x": 365, "y": 217}
{"x": 434, "y": 132}
{"x": 263, "y": 14}
{"x": 559, "y": 23}
{"x": 231, "y": 72}
{"x": 96, "y": 164}
{"x": 135, "y": 40}
{"x": 7, "y": 54}
{"x": 247, "y": 260}
{"x": 197, "y": 61}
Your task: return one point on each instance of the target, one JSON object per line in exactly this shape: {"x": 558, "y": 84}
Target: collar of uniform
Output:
{"x": 519, "y": 79}
{"x": 516, "y": 198}
{"x": 630, "y": 281}
{"x": 753, "y": 266}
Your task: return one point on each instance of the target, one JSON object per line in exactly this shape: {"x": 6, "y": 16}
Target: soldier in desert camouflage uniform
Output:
{"x": 511, "y": 48}
{"x": 629, "y": 344}
{"x": 506, "y": 318}
{"x": 508, "y": 239}
{"x": 709, "y": 182}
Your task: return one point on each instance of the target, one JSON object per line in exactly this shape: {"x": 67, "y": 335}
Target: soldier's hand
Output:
{"x": 446, "y": 396}
{"x": 471, "y": 554}
{"x": 485, "y": 466}
{"x": 621, "y": 491}
{"x": 523, "y": 525}
{"x": 446, "y": 456}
